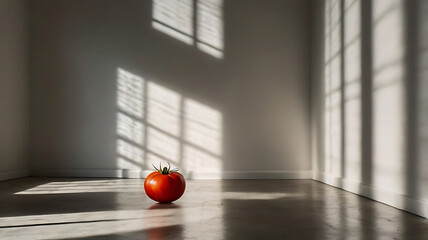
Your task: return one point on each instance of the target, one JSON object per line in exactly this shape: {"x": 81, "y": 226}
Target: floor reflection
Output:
{"x": 210, "y": 209}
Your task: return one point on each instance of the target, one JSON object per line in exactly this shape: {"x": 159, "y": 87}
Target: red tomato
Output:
{"x": 164, "y": 188}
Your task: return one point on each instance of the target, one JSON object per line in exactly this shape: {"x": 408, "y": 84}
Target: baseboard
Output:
{"x": 18, "y": 173}
{"x": 122, "y": 173}
{"x": 266, "y": 175}
{"x": 397, "y": 200}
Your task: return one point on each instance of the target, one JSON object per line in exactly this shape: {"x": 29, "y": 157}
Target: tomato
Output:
{"x": 164, "y": 186}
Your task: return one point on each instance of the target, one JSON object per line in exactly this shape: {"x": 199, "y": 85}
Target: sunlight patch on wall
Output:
{"x": 203, "y": 126}
{"x": 163, "y": 145}
{"x": 199, "y": 159}
{"x": 352, "y": 89}
{"x": 332, "y": 86}
{"x": 205, "y": 30}
{"x": 210, "y": 27}
{"x": 160, "y": 160}
{"x": 130, "y": 129}
{"x": 172, "y": 33}
{"x": 130, "y": 93}
{"x": 132, "y": 153}
{"x": 163, "y": 109}
{"x": 210, "y": 50}
{"x": 203, "y": 132}
{"x": 388, "y": 94}
{"x": 175, "y": 18}
{"x": 163, "y": 126}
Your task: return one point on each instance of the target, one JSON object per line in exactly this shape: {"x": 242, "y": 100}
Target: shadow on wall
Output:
{"x": 422, "y": 95}
{"x": 351, "y": 156}
{"x": 112, "y": 66}
{"x": 333, "y": 91}
{"x": 195, "y": 22}
{"x": 388, "y": 87}
{"x": 374, "y": 132}
{"x": 156, "y": 124}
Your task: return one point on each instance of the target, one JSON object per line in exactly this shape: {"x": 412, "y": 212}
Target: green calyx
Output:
{"x": 165, "y": 170}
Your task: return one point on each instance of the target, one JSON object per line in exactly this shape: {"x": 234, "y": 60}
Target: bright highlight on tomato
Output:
{"x": 165, "y": 185}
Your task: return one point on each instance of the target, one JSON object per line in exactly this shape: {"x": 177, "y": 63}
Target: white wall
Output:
{"x": 13, "y": 88}
{"x": 115, "y": 87}
{"x": 368, "y": 88}
{"x": 422, "y": 96}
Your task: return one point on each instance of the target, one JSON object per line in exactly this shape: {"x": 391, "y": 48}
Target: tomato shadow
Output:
{"x": 158, "y": 233}
{"x": 164, "y": 206}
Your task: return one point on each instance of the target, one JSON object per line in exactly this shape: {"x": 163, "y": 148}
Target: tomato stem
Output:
{"x": 165, "y": 170}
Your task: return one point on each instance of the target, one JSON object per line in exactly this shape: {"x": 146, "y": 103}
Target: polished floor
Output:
{"x": 50, "y": 208}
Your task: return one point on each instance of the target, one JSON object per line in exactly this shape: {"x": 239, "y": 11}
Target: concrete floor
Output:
{"x": 48, "y": 208}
